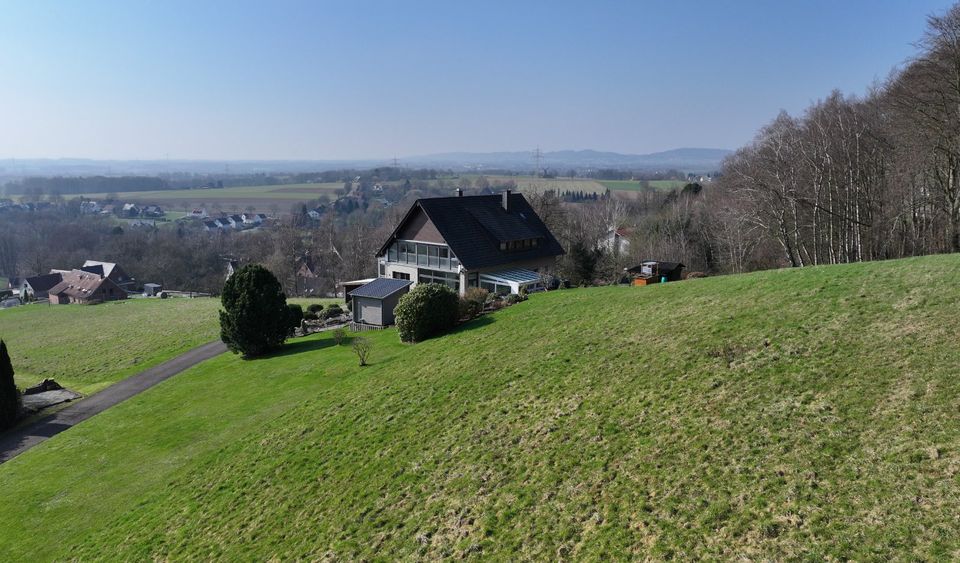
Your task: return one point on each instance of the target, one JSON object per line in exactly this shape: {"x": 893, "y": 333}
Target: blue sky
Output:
{"x": 317, "y": 80}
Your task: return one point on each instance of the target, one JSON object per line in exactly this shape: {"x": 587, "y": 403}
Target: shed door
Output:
{"x": 370, "y": 311}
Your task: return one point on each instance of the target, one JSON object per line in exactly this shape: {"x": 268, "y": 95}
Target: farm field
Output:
{"x": 801, "y": 414}
{"x": 532, "y": 184}
{"x": 586, "y": 185}
{"x": 86, "y": 348}
{"x": 262, "y": 198}
{"x": 634, "y": 186}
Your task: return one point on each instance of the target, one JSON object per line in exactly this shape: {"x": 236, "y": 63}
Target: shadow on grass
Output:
{"x": 478, "y": 322}
{"x": 300, "y": 346}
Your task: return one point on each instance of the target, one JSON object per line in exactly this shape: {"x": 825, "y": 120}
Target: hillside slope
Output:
{"x": 785, "y": 414}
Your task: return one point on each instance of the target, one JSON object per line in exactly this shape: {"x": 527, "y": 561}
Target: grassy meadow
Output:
{"x": 88, "y": 347}
{"x": 260, "y": 197}
{"x": 802, "y": 414}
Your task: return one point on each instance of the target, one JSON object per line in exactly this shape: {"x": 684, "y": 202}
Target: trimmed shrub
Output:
{"x": 294, "y": 317}
{"x": 315, "y": 308}
{"x": 427, "y": 310}
{"x": 255, "y": 316}
{"x": 9, "y": 394}
{"x": 309, "y": 315}
{"x": 331, "y": 312}
{"x": 471, "y": 303}
{"x": 339, "y": 335}
{"x": 514, "y": 298}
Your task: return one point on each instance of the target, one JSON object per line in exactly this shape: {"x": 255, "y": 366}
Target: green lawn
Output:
{"x": 633, "y": 186}
{"x": 86, "y": 348}
{"x": 780, "y": 415}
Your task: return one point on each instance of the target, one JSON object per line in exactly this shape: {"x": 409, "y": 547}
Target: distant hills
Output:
{"x": 684, "y": 159}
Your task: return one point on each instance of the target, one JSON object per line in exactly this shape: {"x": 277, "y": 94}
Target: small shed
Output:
{"x": 152, "y": 289}
{"x": 655, "y": 271}
{"x": 373, "y": 303}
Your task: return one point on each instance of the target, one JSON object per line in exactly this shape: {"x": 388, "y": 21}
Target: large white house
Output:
{"x": 496, "y": 242}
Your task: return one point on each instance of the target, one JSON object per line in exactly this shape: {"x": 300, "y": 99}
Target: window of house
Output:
{"x": 401, "y": 276}
{"x": 383, "y": 270}
{"x": 436, "y": 276}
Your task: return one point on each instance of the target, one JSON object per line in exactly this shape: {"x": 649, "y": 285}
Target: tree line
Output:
{"x": 855, "y": 177}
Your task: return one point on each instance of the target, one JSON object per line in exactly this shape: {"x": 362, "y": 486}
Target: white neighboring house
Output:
{"x": 199, "y": 213}
{"x": 616, "y": 241}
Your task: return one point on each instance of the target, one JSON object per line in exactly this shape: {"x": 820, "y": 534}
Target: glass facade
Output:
{"x": 496, "y": 287}
{"x": 435, "y": 276}
{"x": 420, "y": 254}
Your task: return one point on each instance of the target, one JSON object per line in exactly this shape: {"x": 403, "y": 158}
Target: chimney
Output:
{"x": 505, "y": 200}
{"x": 459, "y": 192}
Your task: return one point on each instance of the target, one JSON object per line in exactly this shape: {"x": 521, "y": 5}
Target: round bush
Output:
{"x": 427, "y": 310}
{"x": 294, "y": 317}
{"x": 315, "y": 308}
{"x": 471, "y": 304}
{"x": 332, "y": 311}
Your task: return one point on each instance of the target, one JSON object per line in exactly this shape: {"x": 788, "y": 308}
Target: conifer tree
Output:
{"x": 9, "y": 394}
{"x": 254, "y": 319}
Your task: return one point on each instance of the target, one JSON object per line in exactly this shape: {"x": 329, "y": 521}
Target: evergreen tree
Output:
{"x": 584, "y": 261}
{"x": 9, "y": 394}
{"x": 255, "y": 318}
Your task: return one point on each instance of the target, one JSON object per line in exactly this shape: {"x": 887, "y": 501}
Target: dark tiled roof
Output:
{"x": 474, "y": 227}
{"x": 380, "y": 288}
{"x": 81, "y": 284}
{"x": 44, "y": 282}
{"x": 96, "y": 269}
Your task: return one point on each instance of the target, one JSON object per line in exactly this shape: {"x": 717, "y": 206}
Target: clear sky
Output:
{"x": 201, "y": 79}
